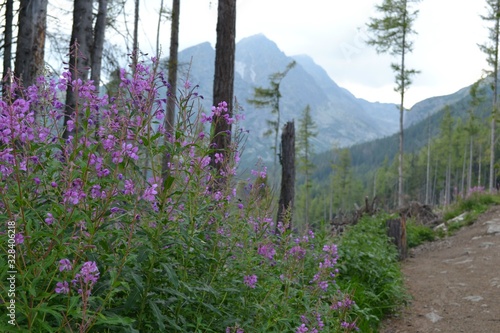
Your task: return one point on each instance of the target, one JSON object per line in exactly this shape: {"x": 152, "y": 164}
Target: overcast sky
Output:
{"x": 333, "y": 32}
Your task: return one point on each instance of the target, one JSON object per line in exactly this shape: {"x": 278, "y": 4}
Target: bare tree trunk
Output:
{"x": 287, "y": 161}
{"x": 480, "y": 160}
{"x": 492, "y": 182}
{"x": 7, "y": 48}
{"x": 135, "y": 42}
{"x": 469, "y": 173}
{"x": 158, "y": 30}
{"x": 79, "y": 58}
{"x": 225, "y": 48}
{"x": 464, "y": 166}
{"x": 427, "y": 181}
{"x": 492, "y": 151}
{"x": 31, "y": 40}
{"x": 447, "y": 183}
{"x": 97, "y": 50}
{"x": 401, "y": 115}
{"x": 98, "y": 43}
{"x": 172, "y": 80}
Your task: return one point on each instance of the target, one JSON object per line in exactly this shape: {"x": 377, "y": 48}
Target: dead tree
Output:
{"x": 396, "y": 229}
{"x": 287, "y": 161}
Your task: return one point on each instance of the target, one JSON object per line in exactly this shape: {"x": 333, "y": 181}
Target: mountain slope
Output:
{"x": 342, "y": 118}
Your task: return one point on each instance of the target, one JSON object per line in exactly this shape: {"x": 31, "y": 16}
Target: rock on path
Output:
{"x": 454, "y": 282}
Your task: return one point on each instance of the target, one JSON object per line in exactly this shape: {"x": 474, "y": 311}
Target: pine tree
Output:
{"x": 342, "y": 179}
{"x": 472, "y": 126}
{"x": 491, "y": 51}
{"x": 270, "y": 98}
{"x": 306, "y": 132}
{"x": 391, "y": 35}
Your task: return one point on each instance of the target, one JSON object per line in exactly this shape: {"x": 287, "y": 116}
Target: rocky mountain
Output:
{"x": 342, "y": 118}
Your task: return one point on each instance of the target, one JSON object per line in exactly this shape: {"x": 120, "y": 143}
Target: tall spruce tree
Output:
{"x": 270, "y": 98}
{"x": 472, "y": 126}
{"x": 306, "y": 132}
{"x": 491, "y": 51}
{"x": 390, "y": 34}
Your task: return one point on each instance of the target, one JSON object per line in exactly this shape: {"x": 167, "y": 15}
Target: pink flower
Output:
{"x": 65, "y": 265}
{"x": 50, "y": 219}
{"x": 149, "y": 193}
{"x": 62, "y": 287}
{"x": 250, "y": 280}
{"x": 19, "y": 238}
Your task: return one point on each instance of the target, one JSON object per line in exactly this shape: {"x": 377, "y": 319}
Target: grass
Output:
{"x": 475, "y": 205}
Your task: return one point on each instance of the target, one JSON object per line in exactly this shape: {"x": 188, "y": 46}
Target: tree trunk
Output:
{"x": 97, "y": 50}
{"x": 79, "y": 58}
{"x": 480, "y": 166}
{"x": 287, "y": 160}
{"x": 447, "y": 183}
{"x": 464, "y": 166}
{"x": 98, "y": 43}
{"x": 428, "y": 170}
{"x": 158, "y": 29}
{"x": 172, "y": 81}
{"x": 224, "y": 78}
{"x": 31, "y": 40}
{"x": 492, "y": 182}
{"x": 396, "y": 229}
{"x": 401, "y": 115}
{"x": 469, "y": 172}
{"x": 7, "y": 48}
{"x": 135, "y": 41}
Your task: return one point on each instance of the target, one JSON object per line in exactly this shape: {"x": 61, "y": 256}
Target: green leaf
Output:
{"x": 157, "y": 314}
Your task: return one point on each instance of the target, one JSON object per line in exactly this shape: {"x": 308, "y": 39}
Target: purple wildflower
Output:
{"x": 62, "y": 287}
{"x": 129, "y": 150}
{"x": 65, "y": 265}
{"x": 219, "y": 158}
{"x": 302, "y": 329}
{"x": 298, "y": 252}
{"x": 129, "y": 187}
{"x": 149, "y": 193}
{"x": 349, "y": 326}
{"x": 250, "y": 280}
{"x": 267, "y": 251}
{"x": 50, "y": 219}
{"x": 19, "y": 238}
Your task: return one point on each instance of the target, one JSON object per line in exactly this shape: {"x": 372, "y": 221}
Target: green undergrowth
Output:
{"x": 417, "y": 234}
{"x": 370, "y": 271}
{"x": 473, "y": 206}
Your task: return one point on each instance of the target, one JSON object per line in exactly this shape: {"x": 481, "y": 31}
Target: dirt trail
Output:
{"x": 454, "y": 282}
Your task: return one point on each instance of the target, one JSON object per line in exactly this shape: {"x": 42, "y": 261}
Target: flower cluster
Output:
{"x": 326, "y": 271}
{"x": 83, "y": 281}
{"x": 250, "y": 280}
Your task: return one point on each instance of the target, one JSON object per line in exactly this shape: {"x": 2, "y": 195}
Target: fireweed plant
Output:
{"x": 104, "y": 244}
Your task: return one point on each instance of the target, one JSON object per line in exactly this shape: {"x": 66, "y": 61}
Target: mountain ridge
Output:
{"x": 342, "y": 118}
